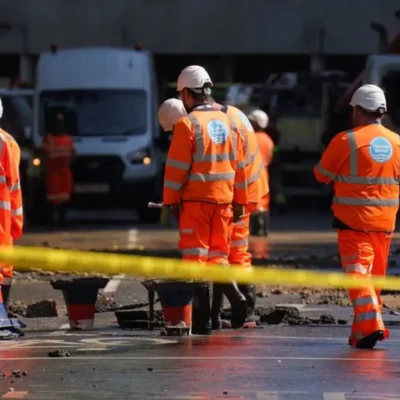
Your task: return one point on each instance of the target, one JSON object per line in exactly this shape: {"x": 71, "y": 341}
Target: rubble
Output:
{"x": 40, "y": 309}
{"x": 17, "y": 309}
{"x": 291, "y": 315}
{"x": 58, "y": 353}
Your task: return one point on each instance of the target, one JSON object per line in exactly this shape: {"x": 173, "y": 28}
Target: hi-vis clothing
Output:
{"x": 257, "y": 180}
{"x": 266, "y": 146}
{"x": 59, "y": 182}
{"x": 205, "y": 173}
{"x": 11, "y": 210}
{"x": 363, "y": 165}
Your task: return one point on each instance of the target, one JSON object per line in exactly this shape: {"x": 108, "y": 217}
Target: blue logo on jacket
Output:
{"x": 218, "y": 131}
{"x": 380, "y": 149}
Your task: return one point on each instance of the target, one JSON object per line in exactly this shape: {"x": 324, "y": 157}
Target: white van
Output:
{"x": 109, "y": 99}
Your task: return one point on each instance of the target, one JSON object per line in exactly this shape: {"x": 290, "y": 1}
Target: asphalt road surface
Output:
{"x": 273, "y": 363}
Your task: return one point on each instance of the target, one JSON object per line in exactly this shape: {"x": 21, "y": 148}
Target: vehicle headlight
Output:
{"x": 141, "y": 156}
{"x": 36, "y": 162}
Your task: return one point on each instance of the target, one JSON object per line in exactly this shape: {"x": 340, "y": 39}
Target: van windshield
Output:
{"x": 95, "y": 112}
{"x": 391, "y": 86}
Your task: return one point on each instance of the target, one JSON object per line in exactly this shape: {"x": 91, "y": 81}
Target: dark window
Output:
{"x": 96, "y": 112}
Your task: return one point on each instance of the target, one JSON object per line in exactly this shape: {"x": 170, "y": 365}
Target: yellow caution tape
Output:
{"x": 154, "y": 267}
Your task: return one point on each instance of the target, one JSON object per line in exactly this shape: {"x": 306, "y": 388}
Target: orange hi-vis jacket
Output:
{"x": 364, "y": 165}
{"x": 256, "y": 174}
{"x": 266, "y": 146}
{"x": 206, "y": 160}
{"x": 59, "y": 182}
{"x": 11, "y": 209}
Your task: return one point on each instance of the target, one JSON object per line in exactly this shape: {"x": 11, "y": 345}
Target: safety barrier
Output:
{"x": 131, "y": 265}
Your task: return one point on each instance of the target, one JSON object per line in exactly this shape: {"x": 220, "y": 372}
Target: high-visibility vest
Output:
{"x": 363, "y": 163}
{"x": 206, "y": 160}
{"x": 256, "y": 175}
{"x": 11, "y": 210}
{"x": 58, "y": 149}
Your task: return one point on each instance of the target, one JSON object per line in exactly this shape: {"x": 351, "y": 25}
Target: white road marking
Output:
{"x": 267, "y": 396}
{"x": 132, "y": 238}
{"x": 194, "y": 358}
{"x": 113, "y": 284}
{"x": 334, "y": 396}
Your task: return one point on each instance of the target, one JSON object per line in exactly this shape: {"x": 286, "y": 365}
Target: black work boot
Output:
{"x": 250, "y": 292}
{"x": 201, "y": 318}
{"x": 5, "y": 292}
{"x": 217, "y": 307}
{"x": 256, "y": 224}
{"x": 369, "y": 342}
{"x": 238, "y": 304}
{"x": 265, "y": 223}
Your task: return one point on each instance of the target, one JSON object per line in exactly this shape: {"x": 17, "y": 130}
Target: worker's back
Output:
{"x": 266, "y": 146}
{"x": 208, "y": 172}
{"x": 367, "y": 183}
{"x": 257, "y": 179}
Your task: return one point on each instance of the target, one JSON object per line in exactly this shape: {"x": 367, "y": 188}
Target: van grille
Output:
{"x": 94, "y": 169}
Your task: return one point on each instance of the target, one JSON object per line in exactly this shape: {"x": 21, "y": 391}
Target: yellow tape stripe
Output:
{"x": 115, "y": 264}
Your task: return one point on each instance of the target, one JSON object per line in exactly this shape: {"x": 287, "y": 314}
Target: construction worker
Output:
{"x": 363, "y": 165}
{"x": 169, "y": 113}
{"x": 11, "y": 215}
{"x": 58, "y": 148}
{"x": 205, "y": 181}
{"x": 259, "y": 222}
{"x": 257, "y": 180}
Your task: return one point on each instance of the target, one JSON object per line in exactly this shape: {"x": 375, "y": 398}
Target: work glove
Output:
{"x": 165, "y": 217}
{"x": 238, "y": 212}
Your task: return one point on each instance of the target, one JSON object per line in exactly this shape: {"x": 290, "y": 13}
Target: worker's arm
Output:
{"x": 12, "y": 156}
{"x": 179, "y": 161}
{"x": 240, "y": 194}
{"x": 332, "y": 159}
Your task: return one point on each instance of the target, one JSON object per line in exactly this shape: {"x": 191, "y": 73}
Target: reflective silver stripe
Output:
{"x": 324, "y": 171}
{"x": 239, "y": 243}
{"x": 353, "y": 153}
{"x": 3, "y": 179}
{"x": 198, "y": 137}
{"x": 219, "y": 157}
{"x": 217, "y": 254}
{"x": 16, "y": 186}
{"x": 211, "y": 177}
{"x": 252, "y": 158}
{"x": 355, "y": 268}
{"x": 256, "y": 175}
{"x": 195, "y": 251}
{"x": 172, "y": 185}
{"x": 241, "y": 185}
{"x": 367, "y": 316}
{"x": 178, "y": 164}
{"x": 352, "y": 201}
{"x": 186, "y": 231}
{"x": 17, "y": 212}
{"x": 240, "y": 223}
{"x": 364, "y": 301}
{"x": 5, "y": 205}
{"x": 365, "y": 180}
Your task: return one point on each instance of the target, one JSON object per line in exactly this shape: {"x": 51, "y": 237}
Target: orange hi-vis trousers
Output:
{"x": 204, "y": 231}
{"x": 365, "y": 254}
{"x": 239, "y": 246}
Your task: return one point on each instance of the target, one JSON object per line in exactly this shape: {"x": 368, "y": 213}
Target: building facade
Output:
{"x": 222, "y": 28}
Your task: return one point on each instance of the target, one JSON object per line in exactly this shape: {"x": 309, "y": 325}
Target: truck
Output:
{"x": 109, "y": 100}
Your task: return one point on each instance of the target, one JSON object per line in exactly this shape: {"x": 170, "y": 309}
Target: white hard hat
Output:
{"x": 192, "y": 77}
{"x": 169, "y": 113}
{"x": 259, "y": 117}
{"x": 370, "y": 98}
{"x": 1, "y": 108}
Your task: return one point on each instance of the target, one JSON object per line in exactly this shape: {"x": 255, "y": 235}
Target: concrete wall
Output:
{"x": 223, "y": 26}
